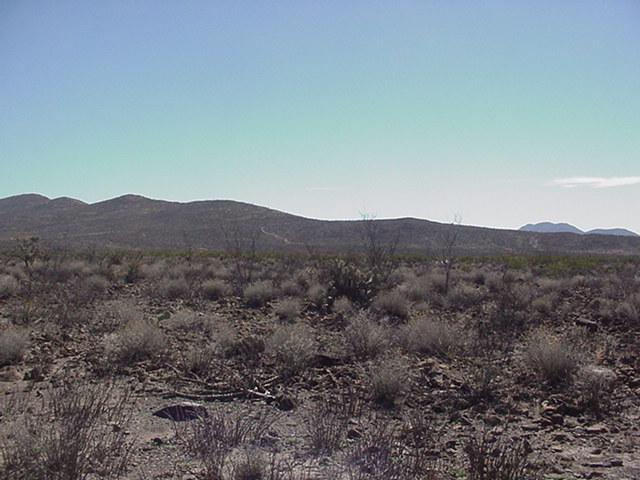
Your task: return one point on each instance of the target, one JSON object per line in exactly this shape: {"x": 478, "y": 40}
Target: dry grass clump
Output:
{"x": 388, "y": 379}
{"x": 392, "y": 303}
{"x": 258, "y": 294}
{"x": 14, "y": 342}
{"x": 293, "y": 348}
{"x": 288, "y": 309}
{"x": 173, "y": 288}
{"x": 553, "y": 359}
{"x": 215, "y": 289}
{"x": 137, "y": 340}
{"x": 8, "y": 286}
{"x": 365, "y": 337}
{"x": 198, "y": 361}
{"x": 435, "y": 337}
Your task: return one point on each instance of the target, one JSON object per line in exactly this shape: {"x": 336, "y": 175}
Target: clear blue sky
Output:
{"x": 505, "y": 111}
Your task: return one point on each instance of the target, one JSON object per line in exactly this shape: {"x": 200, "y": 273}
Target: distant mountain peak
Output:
{"x": 549, "y": 227}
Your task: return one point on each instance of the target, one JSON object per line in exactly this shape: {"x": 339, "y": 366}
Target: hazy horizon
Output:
{"x": 504, "y": 113}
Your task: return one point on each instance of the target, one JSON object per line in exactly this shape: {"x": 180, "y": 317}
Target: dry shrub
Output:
{"x": 595, "y": 386}
{"x": 499, "y": 459}
{"x": 291, "y": 288}
{"x": 258, "y": 294}
{"x": 629, "y": 310}
{"x": 228, "y": 344}
{"x": 343, "y": 307}
{"x": 544, "y": 305}
{"x": 294, "y": 349}
{"x": 553, "y": 359}
{"x": 388, "y": 379}
{"x": 416, "y": 289}
{"x": 14, "y": 342}
{"x": 96, "y": 284}
{"x": 215, "y": 289}
{"x": 8, "y": 286}
{"x": 138, "y": 340}
{"x": 188, "y": 320}
{"x": 365, "y": 337}
{"x": 317, "y": 295}
{"x": 392, "y": 303}
{"x": 463, "y": 296}
{"x": 435, "y": 337}
{"x": 80, "y": 433}
{"x": 288, "y": 309}
{"x": 173, "y": 288}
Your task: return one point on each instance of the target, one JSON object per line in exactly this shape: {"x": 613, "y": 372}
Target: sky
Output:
{"x": 500, "y": 112}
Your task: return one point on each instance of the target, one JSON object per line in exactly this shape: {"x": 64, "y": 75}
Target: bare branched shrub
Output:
{"x": 136, "y": 341}
{"x": 258, "y": 294}
{"x": 288, "y": 309}
{"x": 379, "y": 455}
{"x": 211, "y": 439}
{"x": 498, "y": 459}
{"x": 8, "y": 286}
{"x": 14, "y": 342}
{"x": 392, "y": 303}
{"x": 215, "y": 289}
{"x": 554, "y": 360}
{"x": 78, "y": 434}
{"x": 435, "y": 337}
{"x": 293, "y": 347}
{"x": 365, "y": 337}
{"x": 328, "y": 421}
{"x": 388, "y": 381}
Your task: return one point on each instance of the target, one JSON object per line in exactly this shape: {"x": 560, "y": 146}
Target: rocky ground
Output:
{"x": 405, "y": 383}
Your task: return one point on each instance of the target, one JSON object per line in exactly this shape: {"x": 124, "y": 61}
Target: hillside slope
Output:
{"x": 132, "y": 221}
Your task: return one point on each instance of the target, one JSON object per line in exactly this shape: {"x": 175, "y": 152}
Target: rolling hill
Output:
{"x": 133, "y": 221}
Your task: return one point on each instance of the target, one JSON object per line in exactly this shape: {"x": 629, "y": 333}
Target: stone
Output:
{"x": 596, "y": 429}
{"x": 182, "y": 412}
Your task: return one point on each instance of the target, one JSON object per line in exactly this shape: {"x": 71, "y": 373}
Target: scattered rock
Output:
{"x": 10, "y": 374}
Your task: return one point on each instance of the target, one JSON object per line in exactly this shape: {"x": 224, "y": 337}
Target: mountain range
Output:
{"x": 548, "y": 227}
{"x": 133, "y": 221}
